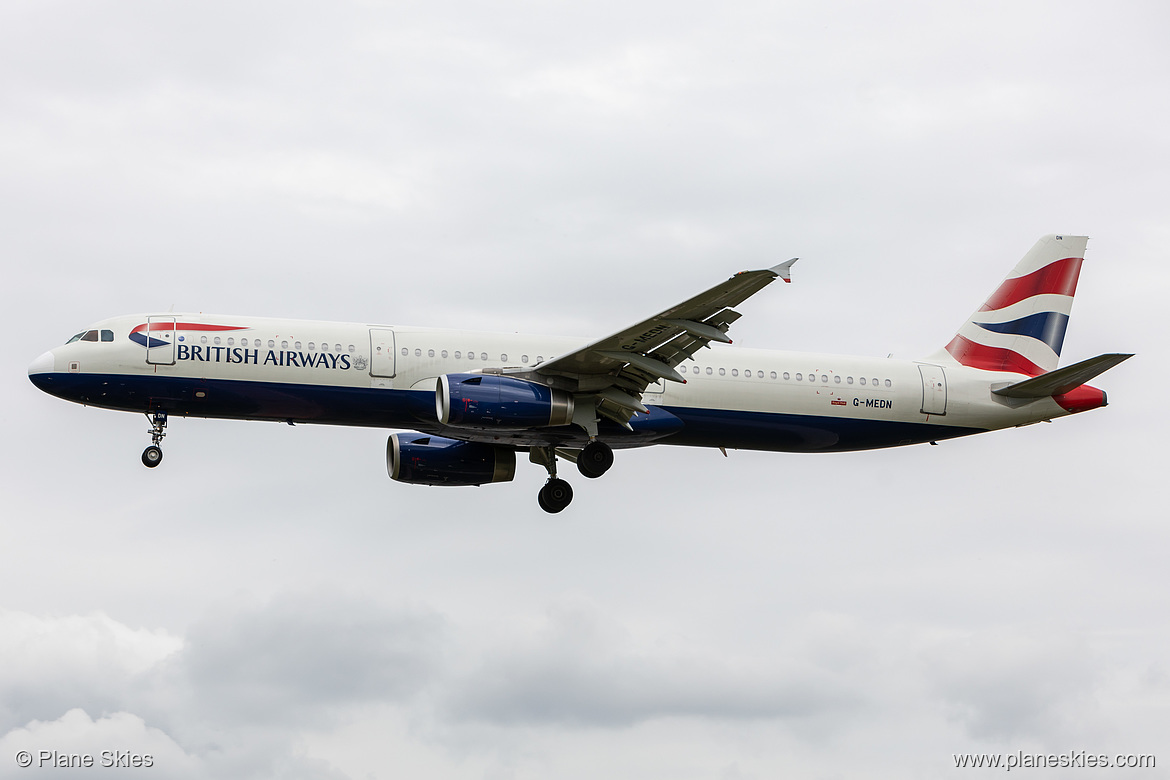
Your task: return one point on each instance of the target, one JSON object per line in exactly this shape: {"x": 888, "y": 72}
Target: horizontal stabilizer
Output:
{"x": 1062, "y": 380}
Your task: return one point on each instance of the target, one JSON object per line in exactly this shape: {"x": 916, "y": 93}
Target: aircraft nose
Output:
{"x": 42, "y": 365}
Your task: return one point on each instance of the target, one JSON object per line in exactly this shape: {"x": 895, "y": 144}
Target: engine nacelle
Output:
{"x": 491, "y": 401}
{"x": 433, "y": 460}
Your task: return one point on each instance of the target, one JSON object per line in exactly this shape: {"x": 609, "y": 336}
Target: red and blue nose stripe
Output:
{"x": 141, "y": 334}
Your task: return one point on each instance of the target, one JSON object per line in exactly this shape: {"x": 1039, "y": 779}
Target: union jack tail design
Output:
{"x": 1021, "y": 326}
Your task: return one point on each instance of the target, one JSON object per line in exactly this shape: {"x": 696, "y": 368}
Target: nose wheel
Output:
{"x": 152, "y": 455}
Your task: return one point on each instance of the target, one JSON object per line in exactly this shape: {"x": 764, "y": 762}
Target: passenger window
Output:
{"x": 503, "y": 358}
{"x": 232, "y": 342}
{"x": 875, "y": 384}
{"x": 824, "y": 378}
{"x": 107, "y": 335}
{"x": 458, "y": 354}
{"x": 524, "y": 359}
{"x": 418, "y": 353}
{"x": 443, "y": 353}
{"x": 708, "y": 370}
{"x": 271, "y": 343}
{"x": 483, "y": 356}
{"x": 849, "y": 380}
{"x": 735, "y": 372}
{"x": 217, "y": 342}
{"x": 800, "y": 377}
{"x": 889, "y": 383}
{"x": 283, "y": 344}
{"x": 837, "y": 380}
{"x": 405, "y": 352}
{"x": 760, "y": 374}
{"x": 722, "y": 372}
{"x": 312, "y": 345}
{"x": 430, "y": 353}
{"x": 202, "y": 339}
{"x": 862, "y": 381}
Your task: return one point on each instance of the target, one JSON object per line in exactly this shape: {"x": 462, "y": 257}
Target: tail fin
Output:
{"x": 1021, "y": 326}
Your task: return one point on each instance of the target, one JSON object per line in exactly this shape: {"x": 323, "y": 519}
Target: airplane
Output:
{"x": 471, "y": 401}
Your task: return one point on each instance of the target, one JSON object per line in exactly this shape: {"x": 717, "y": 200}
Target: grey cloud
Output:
{"x": 579, "y": 670}
{"x": 1015, "y": 683}
{"x": 292, "y": 659}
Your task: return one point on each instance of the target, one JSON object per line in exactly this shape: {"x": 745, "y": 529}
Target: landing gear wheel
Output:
{"x": 152, "y": 455}
{"x": 595, "y": 459}
{"x": 555, "y": 495}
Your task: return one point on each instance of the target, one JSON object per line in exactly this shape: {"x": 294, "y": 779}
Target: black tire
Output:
{"x": 151, "y": 456}
{"x": 595, "y": 459}
{"x": 555, "y": 496}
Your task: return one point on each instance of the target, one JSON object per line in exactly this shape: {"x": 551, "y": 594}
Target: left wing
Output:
{"x": 616, "y": 370}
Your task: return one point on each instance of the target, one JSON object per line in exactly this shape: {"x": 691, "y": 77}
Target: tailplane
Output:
{"x": 1020, "y": 328}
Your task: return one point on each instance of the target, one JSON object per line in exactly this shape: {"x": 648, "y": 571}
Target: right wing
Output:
{"x": 617, "y": 369}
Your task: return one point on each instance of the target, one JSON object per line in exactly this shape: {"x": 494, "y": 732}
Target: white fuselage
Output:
{"x": 385, "y": 376}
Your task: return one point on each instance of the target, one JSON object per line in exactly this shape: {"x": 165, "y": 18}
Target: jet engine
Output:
{"x": 433, "y": 460}
{"x": 490, "y": 401}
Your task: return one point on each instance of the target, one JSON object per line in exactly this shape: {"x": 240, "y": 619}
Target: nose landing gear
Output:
{"x": 152, "y": 455}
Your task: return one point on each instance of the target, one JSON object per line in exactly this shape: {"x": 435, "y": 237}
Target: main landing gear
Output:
{"x": 152, "y": 455}
{"x": 555, "y": 495}
{"x": 593, "y": 460}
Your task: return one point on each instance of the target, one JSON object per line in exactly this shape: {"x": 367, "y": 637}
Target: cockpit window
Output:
{"x": 93, "y": 335}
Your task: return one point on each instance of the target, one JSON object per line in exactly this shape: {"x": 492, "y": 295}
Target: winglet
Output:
{"x": 783, "y": 269}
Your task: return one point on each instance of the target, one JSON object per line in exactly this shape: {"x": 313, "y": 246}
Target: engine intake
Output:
{"x": 490, "y": 401}
{"x": 419, "y": 459}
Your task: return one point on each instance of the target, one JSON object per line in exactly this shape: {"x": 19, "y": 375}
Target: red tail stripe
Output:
{"x": 1059, "y": 278}
{"x": 968, "y": 353}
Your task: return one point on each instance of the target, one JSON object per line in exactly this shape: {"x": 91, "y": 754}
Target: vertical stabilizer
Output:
{"x": 1021, "y": 326}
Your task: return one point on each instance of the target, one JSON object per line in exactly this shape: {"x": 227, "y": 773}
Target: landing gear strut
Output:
{"x": 556, "y": 493}
{"x": 152, "y": 455}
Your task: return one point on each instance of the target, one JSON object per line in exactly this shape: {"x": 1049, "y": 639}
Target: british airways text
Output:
{"x": 273, "y": 357}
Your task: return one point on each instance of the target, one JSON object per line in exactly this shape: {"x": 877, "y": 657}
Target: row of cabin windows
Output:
{"x": 788, "y": 376}
{"x": 458, "y": 354}
{"x": 747, "y": 373}
{"x": 284, "y": 344}
{"x": 93, "y": 335}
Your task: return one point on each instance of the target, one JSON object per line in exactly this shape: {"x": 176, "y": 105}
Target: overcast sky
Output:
{"x": 268, "y": 603}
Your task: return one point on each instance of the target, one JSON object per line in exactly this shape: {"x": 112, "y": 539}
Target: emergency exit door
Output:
{"x": 934, "y": 389}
